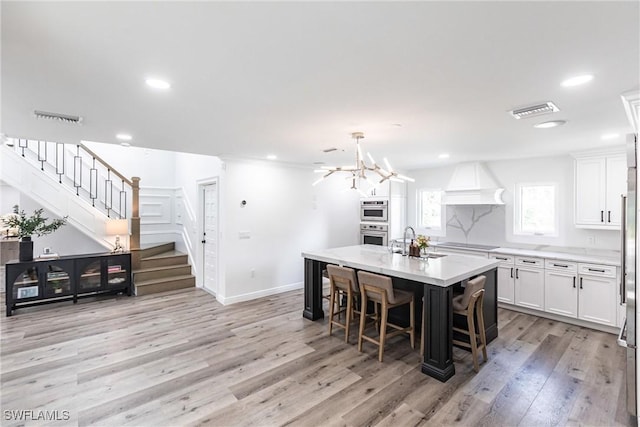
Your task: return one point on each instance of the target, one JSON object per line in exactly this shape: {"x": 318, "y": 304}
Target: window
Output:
{"x": 535, "y": 210}
{"x": 431, "y": 215}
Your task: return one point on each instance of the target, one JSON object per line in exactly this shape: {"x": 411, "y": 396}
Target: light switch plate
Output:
{"x": 244, "y": 235}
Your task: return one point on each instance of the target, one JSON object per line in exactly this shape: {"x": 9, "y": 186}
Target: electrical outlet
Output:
{"x": 253, "y": 273}
{"x": 591, "y": 240}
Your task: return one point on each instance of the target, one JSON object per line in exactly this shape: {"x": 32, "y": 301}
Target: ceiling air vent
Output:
{"x": 65, "y": 118}
{"x": 534, "y": 110}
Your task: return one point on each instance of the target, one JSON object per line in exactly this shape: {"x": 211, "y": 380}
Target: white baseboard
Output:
{"x": 259, "y": 294}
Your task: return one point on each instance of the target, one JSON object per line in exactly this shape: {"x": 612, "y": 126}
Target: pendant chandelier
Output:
{"x": 358, "y": 171}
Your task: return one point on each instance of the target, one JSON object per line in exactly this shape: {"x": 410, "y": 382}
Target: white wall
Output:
{"x": 284, "y": 215}
{"x": 497, "y": 227}
{"x": 65, "y": 241}
{"x": 155, "y": 168}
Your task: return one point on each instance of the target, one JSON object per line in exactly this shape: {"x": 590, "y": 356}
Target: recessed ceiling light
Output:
{"x": 577, "y": 80}
{"x": 443, "y": 156}
{"x": 272, "y": 157}
{"x": 551, "y": 124}
{"x": 124, "y": 137}
{"x": 610, "y": 136}
{"x": 157, "y": 84}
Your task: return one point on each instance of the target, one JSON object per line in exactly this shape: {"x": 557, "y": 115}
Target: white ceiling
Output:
{"x": 250, "y": 79}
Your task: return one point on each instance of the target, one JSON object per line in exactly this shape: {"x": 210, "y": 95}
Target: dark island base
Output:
{"x": 437, "y": 307}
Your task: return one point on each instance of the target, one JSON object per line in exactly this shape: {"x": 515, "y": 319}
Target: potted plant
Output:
{"x": 27, "y": 226}
{"x": 423, "y": 243}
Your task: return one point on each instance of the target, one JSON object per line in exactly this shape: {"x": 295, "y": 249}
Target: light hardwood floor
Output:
{"x": 181, "y": 358}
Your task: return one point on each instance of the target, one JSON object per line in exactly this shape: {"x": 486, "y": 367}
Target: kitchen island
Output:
{"x": 434, "y": 278}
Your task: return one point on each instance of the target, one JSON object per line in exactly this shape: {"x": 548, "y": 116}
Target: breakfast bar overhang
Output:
{"x": 436, "y": 277}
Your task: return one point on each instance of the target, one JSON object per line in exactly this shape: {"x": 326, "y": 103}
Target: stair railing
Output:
{"x": 88, "y": 171}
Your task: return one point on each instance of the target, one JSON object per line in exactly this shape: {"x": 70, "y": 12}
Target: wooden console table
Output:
{"x": 66, "y": 278}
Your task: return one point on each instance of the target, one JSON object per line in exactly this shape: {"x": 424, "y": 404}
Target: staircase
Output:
{"x": 162, "y": 269}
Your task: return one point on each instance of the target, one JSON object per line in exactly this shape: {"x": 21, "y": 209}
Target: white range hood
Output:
{"x": 472, "y": 184}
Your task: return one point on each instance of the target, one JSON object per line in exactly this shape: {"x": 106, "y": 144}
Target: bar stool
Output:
{"x": 380, "y": 290}
{"x": 342, "y": 281}
{"x": 469, "y": 304}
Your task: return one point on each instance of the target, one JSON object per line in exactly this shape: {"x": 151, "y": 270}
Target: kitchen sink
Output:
{"x": 433, "y": 256}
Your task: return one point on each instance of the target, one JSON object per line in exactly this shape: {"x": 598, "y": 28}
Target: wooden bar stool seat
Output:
{"x": 469, "y": 305}
{"x": 343, "y": 283}
{"x": 379, "y": 289}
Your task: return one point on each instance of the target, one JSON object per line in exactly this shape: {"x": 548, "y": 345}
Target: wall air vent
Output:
{"x": 65, "y": 118}
{"x": 534, "y": 110}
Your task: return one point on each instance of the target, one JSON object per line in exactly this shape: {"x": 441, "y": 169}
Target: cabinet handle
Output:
{"x": 528, "y": 262}
{"x": 574, "y": 282}
{"x": 517, "y": 277}
{"x": 500, "y": 258}
{"x": 597, "y": 270}
{"x": 601, "y": 216}
{"x": 512, "y": 272}
{"x": 608, "y": 216}
{"x": 561, "y": 265}
{"x": 581, "y": 283}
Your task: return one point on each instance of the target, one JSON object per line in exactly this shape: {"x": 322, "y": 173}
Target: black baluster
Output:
{"x": 59, "y": 161}
{"x": 23, "y": 144}
{"x": 93, "y": 183}
{"x": 77, "y": 170}
{"x": 42, "y": 154}
{"x": 108, "y": 193}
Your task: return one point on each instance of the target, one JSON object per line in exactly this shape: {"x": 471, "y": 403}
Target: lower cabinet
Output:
{"x": 561, "y": 293}
{"x": 582, "y": 291}
{"x": 597, "y": 299}
{"x": 67, "y": 278}
{"x": 575, "y": 290}
{"x": 506, "y": 284}
{"x": 529, "y": 282}
{"x": 529, "y": 287}
{"x": 506, "y": 278}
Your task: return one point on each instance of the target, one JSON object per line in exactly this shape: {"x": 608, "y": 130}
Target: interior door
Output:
{"x": 210, "y": 237}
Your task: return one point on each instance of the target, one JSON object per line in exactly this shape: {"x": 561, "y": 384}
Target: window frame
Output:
{"x": 431, "y": 231}
{"x": 517, "y": 210}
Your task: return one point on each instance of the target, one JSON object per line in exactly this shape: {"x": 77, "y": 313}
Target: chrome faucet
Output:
{"x": 404, "y": 239}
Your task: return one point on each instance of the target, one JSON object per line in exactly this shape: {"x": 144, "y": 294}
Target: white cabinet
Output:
{"x": 388, "y": 189}
{"x": 597, "y": 296}
{"x": 616, "y": 187}
{"x": 506, "y": 278}
{"x": 561, "y": 288}
{"x": 599, "y": 183}
{"x": 529, "y": 283}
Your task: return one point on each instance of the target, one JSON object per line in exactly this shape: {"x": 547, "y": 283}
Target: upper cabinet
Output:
{"x": 388, "y": 189}
{"x": 601, "y": 180}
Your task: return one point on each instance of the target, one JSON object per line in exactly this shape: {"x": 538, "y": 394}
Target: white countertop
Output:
{"x": 606, "y": 257}
{"x": 443, "y": 271}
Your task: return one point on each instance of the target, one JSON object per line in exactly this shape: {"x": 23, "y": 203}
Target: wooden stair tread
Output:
{"x": 153, "y": 245}
{"x": 161, "y": 268}
{"x": 168, "y": 254}
{"x": 164, "y": 280}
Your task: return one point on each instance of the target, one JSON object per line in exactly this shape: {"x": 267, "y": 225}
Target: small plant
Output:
{"x": 422, "y": 241}
{"x": 27, "y": 226}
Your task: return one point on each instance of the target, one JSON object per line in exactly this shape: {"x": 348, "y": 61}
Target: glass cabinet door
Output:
{"x": 90, "y": 279}
{"x": 117, "y": 270}
{"x": 57, "y": 279}
{"x": 25, "y": 286}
